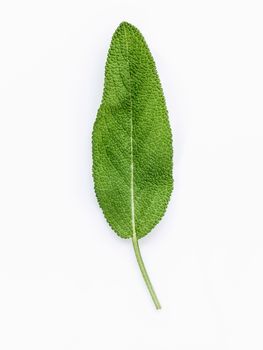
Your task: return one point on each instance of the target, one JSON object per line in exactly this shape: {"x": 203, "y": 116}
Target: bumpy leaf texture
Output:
{"x": 132, "y": 141}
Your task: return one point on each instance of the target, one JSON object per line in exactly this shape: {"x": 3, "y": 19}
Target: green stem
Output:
{"x": 144, "y": 272}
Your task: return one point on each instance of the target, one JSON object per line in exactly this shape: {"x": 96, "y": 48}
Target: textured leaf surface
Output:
{"x": 132, "y": 143}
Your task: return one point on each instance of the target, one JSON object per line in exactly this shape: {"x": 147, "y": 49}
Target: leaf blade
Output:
{"x": 133, "y": 178}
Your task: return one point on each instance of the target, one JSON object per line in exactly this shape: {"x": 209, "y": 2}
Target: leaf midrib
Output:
{"x": 131, "y": 138}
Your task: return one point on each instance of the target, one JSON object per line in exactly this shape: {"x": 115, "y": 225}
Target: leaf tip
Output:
{"x": 125, "y": 24}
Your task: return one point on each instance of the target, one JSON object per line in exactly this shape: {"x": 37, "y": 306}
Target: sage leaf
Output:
{"x": 132, "y": 142}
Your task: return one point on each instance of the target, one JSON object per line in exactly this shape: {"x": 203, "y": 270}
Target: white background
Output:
{"x": 66, "y": 280}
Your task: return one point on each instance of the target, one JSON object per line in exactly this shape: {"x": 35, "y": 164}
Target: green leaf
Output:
{"x": 132, "y": 142}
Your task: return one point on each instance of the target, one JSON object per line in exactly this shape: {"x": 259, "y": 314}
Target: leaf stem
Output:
{"x": 144, "y": 272}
